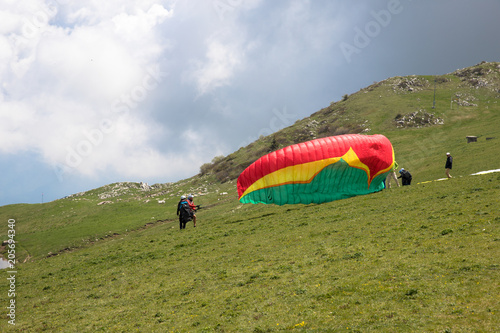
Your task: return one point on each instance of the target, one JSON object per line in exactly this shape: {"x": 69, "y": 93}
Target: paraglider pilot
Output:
{"x": 184, "y": 211}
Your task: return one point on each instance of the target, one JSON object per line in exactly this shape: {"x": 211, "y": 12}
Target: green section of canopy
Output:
{"x": 334, "y": 182}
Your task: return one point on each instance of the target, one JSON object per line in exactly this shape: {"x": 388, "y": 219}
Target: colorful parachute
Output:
{"x": 317, "y": 171}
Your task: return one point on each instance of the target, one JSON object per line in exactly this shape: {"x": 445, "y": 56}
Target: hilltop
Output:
{"x": 392, "y": 107}
{"x": 416, "y": 258}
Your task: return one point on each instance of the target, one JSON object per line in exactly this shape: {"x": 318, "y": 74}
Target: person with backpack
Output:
{"x": 184, "y": 211}
{"x": 405, "y": 176}
{"x": 448, "y": 165}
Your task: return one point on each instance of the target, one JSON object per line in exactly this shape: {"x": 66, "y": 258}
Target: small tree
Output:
{"x": 205, "y": 168}
{"x": 274, "y": 145}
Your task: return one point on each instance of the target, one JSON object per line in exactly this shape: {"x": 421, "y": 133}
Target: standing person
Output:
{"x": 405, "y": 177}
{"x": 392, "y": 175}
{"x": 448, "y": 165}
{"x": 184, "y": 212}
{"x": 193, "y": 207}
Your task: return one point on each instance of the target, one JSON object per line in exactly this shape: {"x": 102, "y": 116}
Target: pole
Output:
{"x": 434, "y": 101}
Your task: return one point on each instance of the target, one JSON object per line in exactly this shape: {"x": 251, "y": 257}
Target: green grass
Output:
{"x": 78, "y": 221}
{"x": 422, "y": 258}
{"x": 418, "y": 258}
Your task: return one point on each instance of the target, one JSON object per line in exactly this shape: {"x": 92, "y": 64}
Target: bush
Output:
{"x": 442, "y": 79}
{"x": 222, "y": 175}
{"x": 205, "y": 169}
{"x": 274, "y": 144}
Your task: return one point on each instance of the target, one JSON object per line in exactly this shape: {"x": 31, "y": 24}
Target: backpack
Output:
{"x": 406, "y": 175}
{"x": 186, "y": 213}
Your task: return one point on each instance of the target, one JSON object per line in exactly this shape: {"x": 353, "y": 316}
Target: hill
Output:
{"x": 421, "y": 115}
{"x": 418, "y": 258}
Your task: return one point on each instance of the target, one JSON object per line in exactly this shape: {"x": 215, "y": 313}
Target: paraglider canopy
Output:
{"x": 317, "y": 171}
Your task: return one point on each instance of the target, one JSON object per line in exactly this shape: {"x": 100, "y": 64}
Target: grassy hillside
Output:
{"x": 419, "y": 258}
{"x": 423, "y": 258}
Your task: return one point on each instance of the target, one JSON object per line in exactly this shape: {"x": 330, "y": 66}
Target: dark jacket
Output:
{"x": 449, "y": 162}
{"x": 405, "y": 177}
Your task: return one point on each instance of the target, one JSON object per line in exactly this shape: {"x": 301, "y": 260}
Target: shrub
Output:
{"x": 205, "y": 169}
{"x": 442, "y": 79}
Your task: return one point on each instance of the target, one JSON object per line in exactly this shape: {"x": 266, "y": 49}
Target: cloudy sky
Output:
{"x": 94, "y": 92}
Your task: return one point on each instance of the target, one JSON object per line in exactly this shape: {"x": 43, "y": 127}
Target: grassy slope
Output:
{"x": 387, "y": 261}
{"x": 420, "y": 258}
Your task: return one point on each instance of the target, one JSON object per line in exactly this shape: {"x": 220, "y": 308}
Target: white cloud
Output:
{"x": 87, "y": 64}
{"x": 225, "y": 42}
{"x": 93, "y": 12}
{"x": 6, "y": 54}
{"x": 61, "y": 82}
{"x": 14, "y": 116}
{"x": 137, "y": 26}
{"x": 222, "y": 60}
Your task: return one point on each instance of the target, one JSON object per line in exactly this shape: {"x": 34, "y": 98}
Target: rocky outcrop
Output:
{"x": 464, "y": 99}
{"x": 417, "y": 119}
{"x": 409, "y": 84}
{"x": 483, "y": 75}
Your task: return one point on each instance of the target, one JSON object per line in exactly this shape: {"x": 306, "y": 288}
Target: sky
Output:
{"x": 96, "y": 92}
